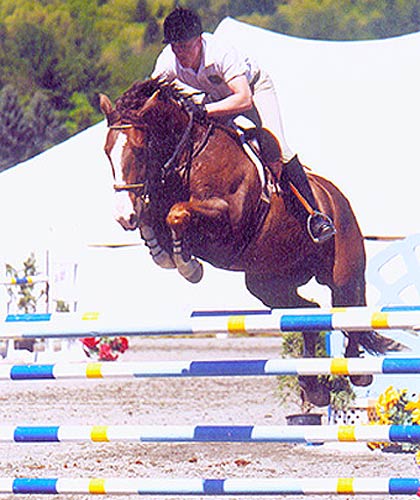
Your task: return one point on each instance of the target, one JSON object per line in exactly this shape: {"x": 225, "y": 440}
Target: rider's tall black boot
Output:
{"x": 320, "y": 226}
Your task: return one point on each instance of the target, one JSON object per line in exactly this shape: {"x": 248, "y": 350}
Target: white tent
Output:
{"x": 62, "y": 201}
{"x": 351, "y": 110}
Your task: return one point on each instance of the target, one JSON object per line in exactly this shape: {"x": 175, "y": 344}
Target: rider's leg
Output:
{"x": 320, "y": 226}
{"x": 267, "y": 107}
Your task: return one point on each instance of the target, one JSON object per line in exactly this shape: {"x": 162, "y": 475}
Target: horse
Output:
{"x": 194, "y": 194}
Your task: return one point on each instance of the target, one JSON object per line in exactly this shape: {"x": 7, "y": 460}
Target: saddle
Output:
{"x": 265, "y": 152}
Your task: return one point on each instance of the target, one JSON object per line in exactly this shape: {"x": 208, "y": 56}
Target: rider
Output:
{"x": 235, "y": 86}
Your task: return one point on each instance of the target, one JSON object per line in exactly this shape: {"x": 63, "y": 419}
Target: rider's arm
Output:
{"x": 239, "y": 101}
{"x": 165, "y": 66}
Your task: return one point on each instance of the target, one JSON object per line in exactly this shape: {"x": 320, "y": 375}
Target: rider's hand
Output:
{"x": 197, "y": 110}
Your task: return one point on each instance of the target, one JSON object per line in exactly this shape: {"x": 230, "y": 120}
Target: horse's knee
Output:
{"x": 178, "y": 218}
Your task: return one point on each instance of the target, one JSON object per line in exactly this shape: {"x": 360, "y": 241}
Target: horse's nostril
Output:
{"x": 133, "y": 220}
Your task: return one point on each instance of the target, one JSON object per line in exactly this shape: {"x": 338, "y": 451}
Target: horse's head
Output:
{"x": 144, "y": 128}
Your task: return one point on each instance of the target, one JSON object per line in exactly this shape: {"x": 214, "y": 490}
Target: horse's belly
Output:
{"x": 295, "y": 256}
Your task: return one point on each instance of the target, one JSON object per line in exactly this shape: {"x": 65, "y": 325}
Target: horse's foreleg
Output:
{"x": 178, "y": 220}
{"x": 160, "y": 256}
{"x": 190, "y": 269}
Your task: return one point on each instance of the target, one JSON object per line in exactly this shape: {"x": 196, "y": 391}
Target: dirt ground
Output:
{"x": 236, "y": 400}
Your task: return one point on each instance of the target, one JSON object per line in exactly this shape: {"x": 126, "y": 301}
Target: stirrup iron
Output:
{"x": 317, "y": 213}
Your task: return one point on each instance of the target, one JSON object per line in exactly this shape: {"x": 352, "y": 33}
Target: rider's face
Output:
{"x": 188, "y": 52}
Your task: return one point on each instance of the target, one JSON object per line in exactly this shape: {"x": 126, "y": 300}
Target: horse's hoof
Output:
{"x": 361, "y": 380}
{"x": 192, "y": 271}
{"x": 315, "y": 392}
{"x": 164, "y": 260}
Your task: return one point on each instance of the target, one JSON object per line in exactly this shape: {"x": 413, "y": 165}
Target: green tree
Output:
{"x": 72, "y": 49}
{"x": 247, "y": 7}
{"x": 47, "y": 127}
{"x": 153, "y": 32}
{"x": 82, "y": 113}
{"x": 26, "y": 131}
{"x": 142, "y": 12}
{"x": 15, "y": 132}
{"x": 39, "y": 50}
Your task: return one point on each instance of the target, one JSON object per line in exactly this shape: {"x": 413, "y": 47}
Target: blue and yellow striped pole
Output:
{"x": 210, "y": 433}
{"x": 220, "y": 487}
{"x": 95, "y": 324}
{"x": 212, "y": 368}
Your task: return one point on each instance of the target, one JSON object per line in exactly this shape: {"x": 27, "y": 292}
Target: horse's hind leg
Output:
{"x": 353, "y": 294}
{"x": 277, "y": 293}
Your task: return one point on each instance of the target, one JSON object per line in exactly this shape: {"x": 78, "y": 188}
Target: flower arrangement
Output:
{"x": 394, "y": 407}
{"x": 105, "y": 348}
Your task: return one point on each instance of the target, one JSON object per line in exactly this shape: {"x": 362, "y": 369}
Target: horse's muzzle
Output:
{"x": 129, "y": 225}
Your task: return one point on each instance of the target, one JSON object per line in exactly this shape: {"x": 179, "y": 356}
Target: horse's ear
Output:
{"x": 105, "y": 104}
{"x": 151, "y": 101}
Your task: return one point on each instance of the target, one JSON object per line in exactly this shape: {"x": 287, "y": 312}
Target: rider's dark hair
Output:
{"x": 180, "y": 25}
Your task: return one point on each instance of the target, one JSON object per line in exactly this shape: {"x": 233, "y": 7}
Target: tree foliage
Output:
{"x": 15, "y": 134}
{"x": 26, "y": 130}
{"x": 57, "y": 55}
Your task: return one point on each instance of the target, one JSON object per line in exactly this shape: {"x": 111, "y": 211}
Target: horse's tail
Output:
{"x": 375, "y": 344}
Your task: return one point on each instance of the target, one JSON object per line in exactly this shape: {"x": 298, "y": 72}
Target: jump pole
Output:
{"x": 212, "y": 368}
{"x": 210, "y": 433}
{"x": 95, "y": 324}
{"x": 26, "y": 280}
{"x": 212, "y": 487}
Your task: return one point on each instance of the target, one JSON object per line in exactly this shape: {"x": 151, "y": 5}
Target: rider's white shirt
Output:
{"x": 219, "y": 65}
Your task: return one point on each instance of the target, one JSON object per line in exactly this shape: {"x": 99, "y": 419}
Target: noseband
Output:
{"x": 128, "y": 187}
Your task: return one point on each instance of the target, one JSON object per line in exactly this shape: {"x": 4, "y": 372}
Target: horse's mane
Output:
{"x": 135, "y": 97}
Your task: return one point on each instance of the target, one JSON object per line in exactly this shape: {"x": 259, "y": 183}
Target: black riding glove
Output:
{"x": 197, "y": 110}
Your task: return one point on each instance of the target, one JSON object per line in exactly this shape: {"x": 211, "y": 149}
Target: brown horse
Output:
{"x": 195, "y": 194}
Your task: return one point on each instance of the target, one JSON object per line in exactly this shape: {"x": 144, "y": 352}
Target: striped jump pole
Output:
{"x": 95, "y": 324}
{"x": 210, "y": 433}
{"x": 212, "y": 368}
{"x": 197, "y": 486}
{"x": 26, "y": 280}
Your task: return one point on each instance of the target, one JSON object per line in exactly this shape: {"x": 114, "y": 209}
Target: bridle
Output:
{"x": 172, "y": 163}
{"x": 123, "y": 187}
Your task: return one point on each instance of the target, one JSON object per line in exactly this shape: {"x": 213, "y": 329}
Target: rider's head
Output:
{"x": 181, "y": 25}
{"x": 182, "y": 29}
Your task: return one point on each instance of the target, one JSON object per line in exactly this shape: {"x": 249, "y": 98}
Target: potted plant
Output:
{"x": 290, "y": 393}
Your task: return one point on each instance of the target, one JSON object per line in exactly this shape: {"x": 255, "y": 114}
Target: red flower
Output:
{"x": 120, "y": 344}
{"x": 104, "y": 348}
{"x": 91, "y": 342}
{"x": 105, "y": 353}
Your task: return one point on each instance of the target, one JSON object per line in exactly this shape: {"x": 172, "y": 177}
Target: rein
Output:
{"x": 170, "y": 164}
